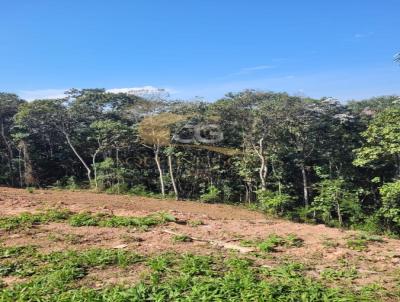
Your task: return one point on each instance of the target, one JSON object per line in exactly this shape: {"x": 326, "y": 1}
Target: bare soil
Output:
{"x": 323, "y": 247}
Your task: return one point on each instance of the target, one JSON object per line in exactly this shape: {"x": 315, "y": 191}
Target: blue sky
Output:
{"x": 206, "y": 48}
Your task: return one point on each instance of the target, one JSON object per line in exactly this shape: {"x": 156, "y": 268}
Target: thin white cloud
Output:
{"x": 143, "y": 91}
{"x": 363, "y": 35}
{"x": 31, "y": 95}
{"x": 255, "y": 68}
{"x": 140, "y": 90}
{"x": 248, "y": 70}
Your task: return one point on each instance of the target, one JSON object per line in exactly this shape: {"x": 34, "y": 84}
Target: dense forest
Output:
{"x": 313, "y": 160}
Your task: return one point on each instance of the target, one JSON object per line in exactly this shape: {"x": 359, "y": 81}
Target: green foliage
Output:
{"x": 195, "y": 223}
{"x": 182, "y": 238}
{"x": 71, "y": 183}
{"x": 140, "y": 190}
{"x": 390, "y": 210}
{"x": 298, "y": 150}
{"x": 212, "y": 195}
{"x": 172, "y": 278}
{"x": 382, "y": 145}
{"x": 27, "y": 220}
{"x": 338, "y": 274}
{"x": 335, "y": 204}
{"x": 30, "y": 190}
{"x": 273, "y": 202}
{"x": 88, "y": 219}
{"x": 273, "y": 241}
{"x": 360, "y": 242}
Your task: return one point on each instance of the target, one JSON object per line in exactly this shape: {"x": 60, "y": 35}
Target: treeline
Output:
{"x": 308, "y": 159}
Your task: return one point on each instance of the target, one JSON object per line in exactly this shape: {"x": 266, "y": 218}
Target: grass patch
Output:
{"x": 102, "y": 220}
{"x": 195, "y": 223}
{"x": 360, "y": 242}
{"x": 330, "y": 243}
{"x": 338, "y": 274}
{"x": 273, "y": 241}
{"x": 28, "y": 220}
{"x": 170, "y": 277}
{"x": 182, "y": 238}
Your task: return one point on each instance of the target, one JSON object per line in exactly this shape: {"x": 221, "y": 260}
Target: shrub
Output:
{"x": 212, "y": 195}
{"x": 274, "y": 202}
{"x": 71, "y": 183}
{"x": 390, "y": 210}
{"x": 335, "y": 204}
{"x": 120, "y": 188}
{"x": 139, "y": 190}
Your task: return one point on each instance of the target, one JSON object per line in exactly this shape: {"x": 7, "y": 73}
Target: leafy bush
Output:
{"x": 390, "y": 210}
{"x": 212, "y": 195}
{"x": 334, "y": 204}
{"x": 273, "y": 202}
{"x": 71, "y": 183}
{"x": 30, "y": 190}
{"x": 139, "y": 190}
{"x": 120, "y": 188}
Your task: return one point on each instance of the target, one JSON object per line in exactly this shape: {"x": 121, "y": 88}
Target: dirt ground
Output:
{"x": 323, "y": 247}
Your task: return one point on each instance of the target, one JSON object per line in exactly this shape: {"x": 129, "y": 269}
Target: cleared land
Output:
{"x": 130, "y": 241}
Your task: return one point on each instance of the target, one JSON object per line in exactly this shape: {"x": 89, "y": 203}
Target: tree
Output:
{"x": 382, "y": 142}
{"x": 390, "y": 210}
{"x": 50, "y": 118}
{"x": 9, "y": 104}
{"x": 335, "y": 201}
{"x": 108, "y": 135}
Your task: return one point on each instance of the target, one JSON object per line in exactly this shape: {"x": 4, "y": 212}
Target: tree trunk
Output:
{"x": 118, "y": 175}
{"x": 20, "y": 168}
{"x": 263, "y": 166}
{"x": 89, "y": 172}
{"x": 277, "y": 178}
{"x": 158, "y": 163}
{"x": 305, "y": 185}
{"x": 171, "y": 174}
{"x": 95, "y": 169}
{"x": 29, "y": 179}
{"x": 9, "y": 150}
{"x": 339, "y": 213}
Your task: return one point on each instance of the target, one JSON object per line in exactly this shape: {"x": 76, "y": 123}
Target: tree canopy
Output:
{"x": 308, "y": 159}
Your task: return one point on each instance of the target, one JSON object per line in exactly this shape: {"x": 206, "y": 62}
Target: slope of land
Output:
{"x": 333, "y": 257}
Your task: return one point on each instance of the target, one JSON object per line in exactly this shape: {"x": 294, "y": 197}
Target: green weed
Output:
{"x": 360, "y": 242}
{"x": 273, "y": 241}
{"x": 27, "y": 220}
{"x": 182, "y": 238}
{"x": 170, "y": 277}
{"x": 337, "y": 274}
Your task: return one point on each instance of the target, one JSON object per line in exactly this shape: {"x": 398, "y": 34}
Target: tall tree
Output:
{"x": 382, "y": 142}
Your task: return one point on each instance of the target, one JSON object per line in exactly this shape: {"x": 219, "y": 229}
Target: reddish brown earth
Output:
{"x": 379, "y": 263}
